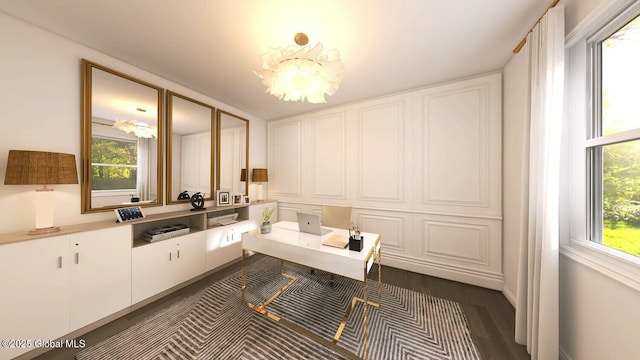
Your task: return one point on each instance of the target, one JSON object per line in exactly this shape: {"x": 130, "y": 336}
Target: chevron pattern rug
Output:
{"x": 215, "y": 324}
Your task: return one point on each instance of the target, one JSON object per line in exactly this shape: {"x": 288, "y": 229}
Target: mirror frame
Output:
{"x": 170, "y": 197}
{"x": 86, "y": 130}
{"x": 218, "y": 145}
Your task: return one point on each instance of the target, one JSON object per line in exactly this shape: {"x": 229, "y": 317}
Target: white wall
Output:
{"x": 40, "y": 110}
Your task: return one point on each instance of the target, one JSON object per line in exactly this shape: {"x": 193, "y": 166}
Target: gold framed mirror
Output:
{"x": 233, "y": 153}
{"x": 122, "y": 131}
{"x": 190, "y": 148}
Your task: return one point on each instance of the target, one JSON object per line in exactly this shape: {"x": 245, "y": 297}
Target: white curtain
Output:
{"x": 537, "y": 294}
{"x": 144, "y": 170}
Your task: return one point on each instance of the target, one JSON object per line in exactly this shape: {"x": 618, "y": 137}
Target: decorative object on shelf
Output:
{"x": 41, "y": 168}
{"x": 135, "y": 198}
{"x": 184, "y": 196}
{"x": 237, "y": 199}
{"x": 223, "y": 197}
{"x": 129, "y": 213}
{"x": 301, "y": 72}
{"x": 197, "y": 201}
{"x": 260, "y": 176}
{"x": 265, "y": 228}
{"x": 246, "y": 200}
{"x": 165, "y": 232}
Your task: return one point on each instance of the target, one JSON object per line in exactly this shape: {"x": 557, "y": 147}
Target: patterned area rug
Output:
{"x": 214, "y": 324}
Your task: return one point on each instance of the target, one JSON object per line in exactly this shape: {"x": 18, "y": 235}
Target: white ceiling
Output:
{"x": 212, "y": 46}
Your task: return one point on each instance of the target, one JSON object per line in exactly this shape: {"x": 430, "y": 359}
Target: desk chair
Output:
{"x": 336, "y": 217}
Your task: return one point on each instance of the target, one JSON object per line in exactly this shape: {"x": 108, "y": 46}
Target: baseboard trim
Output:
{"x": 509, "y": 295}
{"x": 475, "y": 277}
{"x": 563, "y": 355}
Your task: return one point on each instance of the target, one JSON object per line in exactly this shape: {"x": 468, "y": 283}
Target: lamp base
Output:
{"x": 46, "y": 230}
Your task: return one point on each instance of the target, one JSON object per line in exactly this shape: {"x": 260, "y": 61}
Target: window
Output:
{"x": 113, "y": 164}
{"x": 613, "y": 147}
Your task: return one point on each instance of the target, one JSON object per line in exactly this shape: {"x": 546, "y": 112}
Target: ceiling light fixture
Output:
{"x": 301, "y": 72}
{"x": 138, "y": 128}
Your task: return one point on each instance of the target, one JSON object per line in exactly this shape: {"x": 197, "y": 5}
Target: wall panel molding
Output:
{"x": 458, "y": 157}
{"x": 392, "y": 228}
{"x": 381, "y": 152}
{"x": 456, "y": 241}
{"x": 329, "y": 159}
{"x": 285, "y": 144}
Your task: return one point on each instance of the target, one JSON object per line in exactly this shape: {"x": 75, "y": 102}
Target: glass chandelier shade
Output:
{"x": 138, "y": 128}
{"x": 301, "y": 73}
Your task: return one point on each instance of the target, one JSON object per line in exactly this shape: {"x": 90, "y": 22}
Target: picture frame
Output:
{"x": 223, "y": 198}
{"x": 246, "y": 200}
{"x": 237, "y": 199}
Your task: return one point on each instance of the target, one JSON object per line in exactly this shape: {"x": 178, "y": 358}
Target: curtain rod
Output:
{"x": 524, "y": 39}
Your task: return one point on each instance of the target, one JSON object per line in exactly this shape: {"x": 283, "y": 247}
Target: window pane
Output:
{"x": 112, "y": 151}
{"x": 113, "y": 178}
{"x": 621, "y": 79}
{"x": 621, "y": 196}
{"x": 113, "y": 164}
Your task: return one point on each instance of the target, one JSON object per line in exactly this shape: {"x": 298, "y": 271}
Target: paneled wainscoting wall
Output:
{"x": 422, "y": 168}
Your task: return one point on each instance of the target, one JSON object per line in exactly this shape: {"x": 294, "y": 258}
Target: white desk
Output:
{"x": 286, "y": 243}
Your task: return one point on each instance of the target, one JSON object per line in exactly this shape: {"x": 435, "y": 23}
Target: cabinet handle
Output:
{"x": 59, "y": 262}
{"x": 169, "y": 256}
{"x": 178, "y": 254}
{"x": 77, "y": 258}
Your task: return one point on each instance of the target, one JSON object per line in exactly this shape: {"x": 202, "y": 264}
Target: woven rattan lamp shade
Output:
{"x": 40, "y": 168}
{"x": 260, "y": 175}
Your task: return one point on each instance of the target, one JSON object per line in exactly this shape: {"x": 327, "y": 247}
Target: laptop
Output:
{"x": 310, "y": 223}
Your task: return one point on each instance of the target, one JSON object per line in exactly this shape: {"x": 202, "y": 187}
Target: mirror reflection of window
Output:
{"x": 121, "y": 146}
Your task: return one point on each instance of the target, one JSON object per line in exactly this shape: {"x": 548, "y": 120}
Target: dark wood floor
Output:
{"x": 490, "y": 315}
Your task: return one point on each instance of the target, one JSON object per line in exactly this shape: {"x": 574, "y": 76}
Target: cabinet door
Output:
{"x": 224, "y": 244}
{"x": 100, "y": 263}
{"x": 189, "y": 259}
{"x": 34, "y": 291}
{"x": 150, "y": 270}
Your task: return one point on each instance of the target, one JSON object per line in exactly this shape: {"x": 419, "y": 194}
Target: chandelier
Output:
{"x": 301, "y": 72}
{"x": 138, "y": 128}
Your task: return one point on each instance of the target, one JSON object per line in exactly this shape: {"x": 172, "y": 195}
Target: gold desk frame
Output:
{"x": 374, "y": 255}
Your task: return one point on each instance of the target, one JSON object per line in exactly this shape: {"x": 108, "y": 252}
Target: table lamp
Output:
{"x": 260, "y": 176}
{"x": 41, "y": 168}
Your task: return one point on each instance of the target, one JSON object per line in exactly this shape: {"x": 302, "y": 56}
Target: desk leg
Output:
{"x": 242, "y": 275}
{"x": 365, "y": 322}
{"x": 379, "y": 277}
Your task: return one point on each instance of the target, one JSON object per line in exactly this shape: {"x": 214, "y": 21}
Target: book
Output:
{"x": 340, "y": 241}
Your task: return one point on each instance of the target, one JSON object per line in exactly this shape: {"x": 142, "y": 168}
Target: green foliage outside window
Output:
{"x": 113, "y": 164}
{"x": 621, "y": 161}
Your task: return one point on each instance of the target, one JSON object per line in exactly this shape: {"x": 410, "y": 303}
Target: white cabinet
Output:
{"x": 100, "y": 274}
{"x": 159, "y": 266}
{"x": 196, "y": 163}
{"x": 224, "y": 243}
{"x": 56, "y": 285}
{"x": 34, "y": 291}
{"x": 255, "y": 214}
